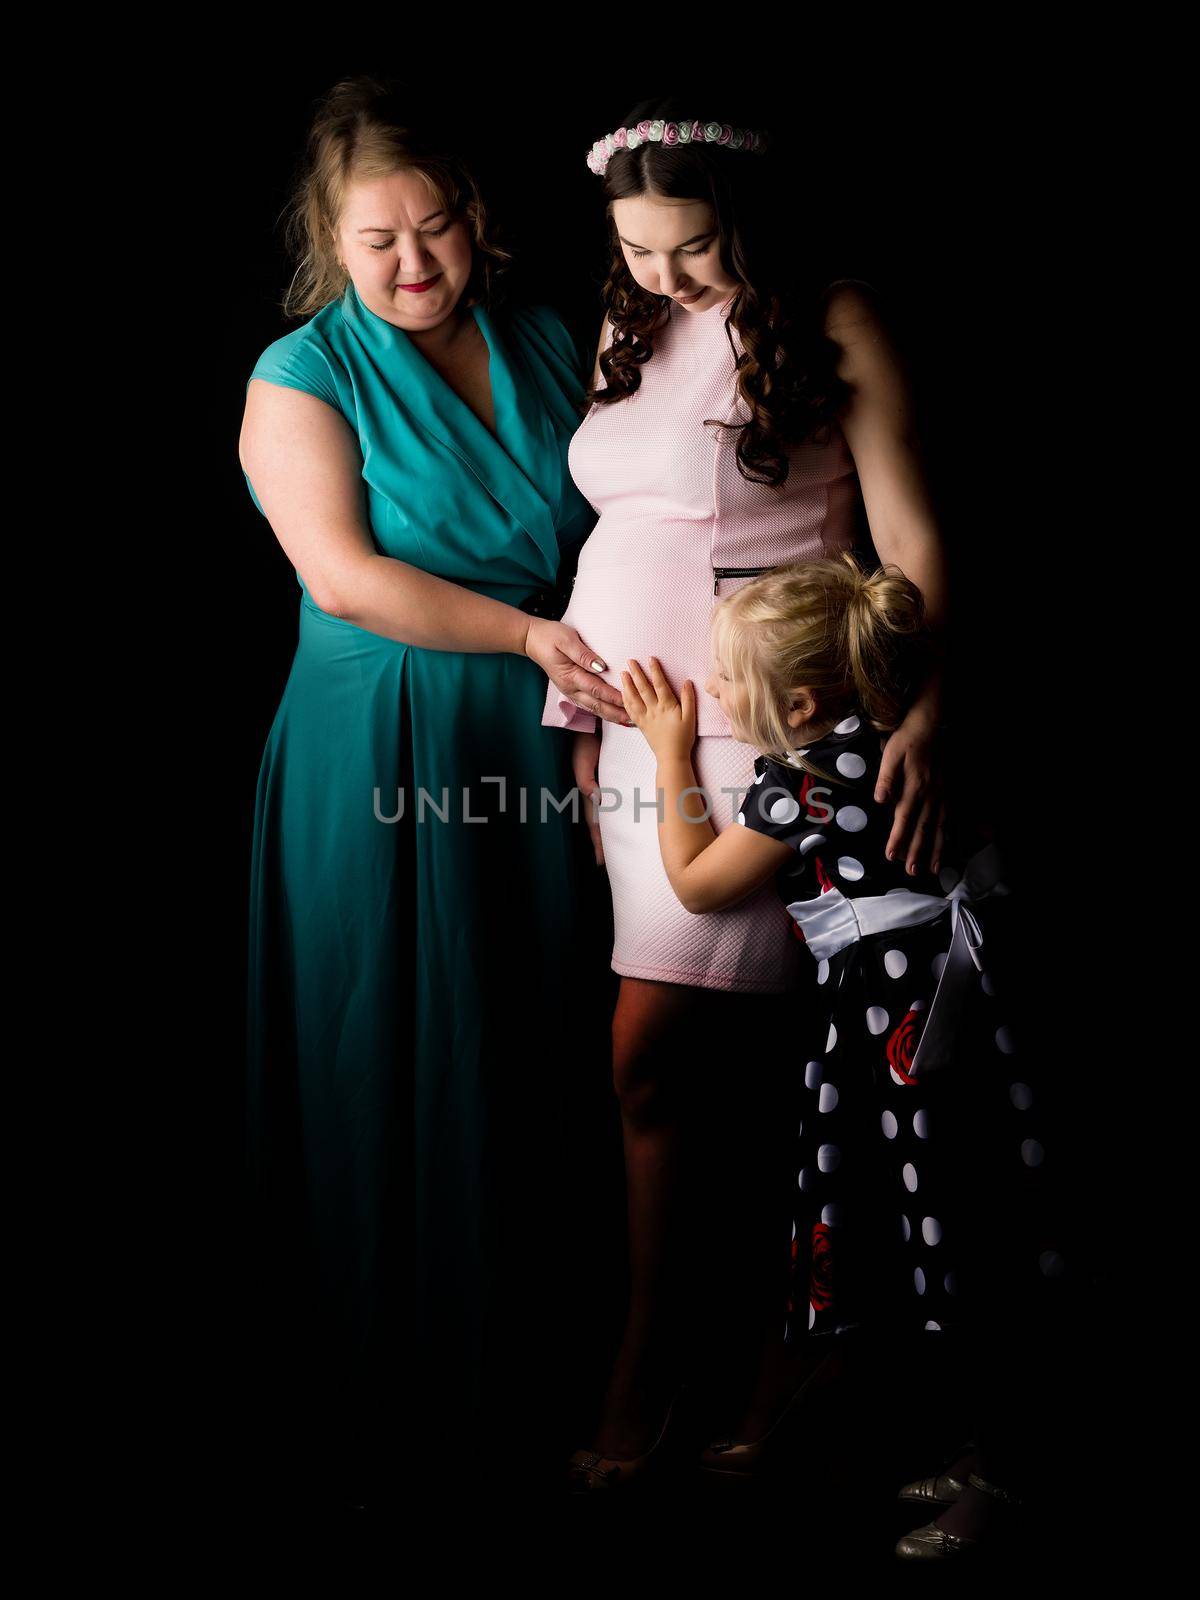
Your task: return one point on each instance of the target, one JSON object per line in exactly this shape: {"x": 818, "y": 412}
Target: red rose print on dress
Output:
{"x": 820, "y": 1287}
{"x": 902, "y": 1046}
{"x": 806, "y": 783}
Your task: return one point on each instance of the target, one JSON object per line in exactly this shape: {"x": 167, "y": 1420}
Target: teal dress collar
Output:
{"x": 512, "y": 467}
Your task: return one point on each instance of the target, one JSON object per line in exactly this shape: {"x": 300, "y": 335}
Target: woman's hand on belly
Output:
{"x": 569, "y": 663}
{"x": 585, "y": 756}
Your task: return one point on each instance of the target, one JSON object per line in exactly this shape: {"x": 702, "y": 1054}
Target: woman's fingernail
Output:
{"x": 598, "y": 666}
{"x": 890, "y": 854}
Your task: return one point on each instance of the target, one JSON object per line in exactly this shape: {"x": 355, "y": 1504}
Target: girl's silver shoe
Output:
{"x": 932, "y": 1543}
{"x": 942, "y": 1490}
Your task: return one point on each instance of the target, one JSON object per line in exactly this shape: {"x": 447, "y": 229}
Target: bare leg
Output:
{"x": 650, "y": 1076}
{"x": 753, "y": 1092}
{"x": 675, "y": 1050}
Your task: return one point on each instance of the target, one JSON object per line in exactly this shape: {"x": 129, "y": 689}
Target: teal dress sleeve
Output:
{"x": 302, "y": 360}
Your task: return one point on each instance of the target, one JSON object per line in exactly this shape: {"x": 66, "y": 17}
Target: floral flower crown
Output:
{"x": 674, "y": 133}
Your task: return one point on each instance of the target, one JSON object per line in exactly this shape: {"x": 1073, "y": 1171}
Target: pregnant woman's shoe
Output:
{"x": 588, "y": 1470}
{"x": 733, "y": 1459}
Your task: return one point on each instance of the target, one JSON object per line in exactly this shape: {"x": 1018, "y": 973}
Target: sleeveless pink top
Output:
{"x": 674, "y": 509}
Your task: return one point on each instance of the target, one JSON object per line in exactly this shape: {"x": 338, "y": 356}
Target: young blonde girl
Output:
{"x": 917, "y": 1183}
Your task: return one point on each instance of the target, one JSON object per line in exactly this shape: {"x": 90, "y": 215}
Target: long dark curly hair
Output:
{"x": 786, "y": 375}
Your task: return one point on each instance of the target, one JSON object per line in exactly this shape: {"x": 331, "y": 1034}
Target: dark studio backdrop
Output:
{"x": 931, "y": 189}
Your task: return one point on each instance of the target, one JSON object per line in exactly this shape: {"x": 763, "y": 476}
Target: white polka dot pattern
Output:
{"x": 783, "y": 810}
{"x": 894, "y": 1131}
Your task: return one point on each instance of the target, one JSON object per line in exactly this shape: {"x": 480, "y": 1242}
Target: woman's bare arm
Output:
{"x": 879, "y": 426}
{"x": 306, "y": 468}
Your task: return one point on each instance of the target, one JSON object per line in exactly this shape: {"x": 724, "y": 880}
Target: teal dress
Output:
{"x": 412, "y": 960}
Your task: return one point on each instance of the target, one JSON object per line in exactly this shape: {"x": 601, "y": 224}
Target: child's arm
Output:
{"x": 708, "y": 872}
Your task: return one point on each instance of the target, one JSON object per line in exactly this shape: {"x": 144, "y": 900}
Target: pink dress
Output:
{"x": 674, "y": 510}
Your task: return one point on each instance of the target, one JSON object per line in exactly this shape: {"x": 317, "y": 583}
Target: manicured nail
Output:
{"x": 598, "y": 666}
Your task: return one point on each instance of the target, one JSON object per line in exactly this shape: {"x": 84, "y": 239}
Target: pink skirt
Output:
{"x": 751, "y": 946}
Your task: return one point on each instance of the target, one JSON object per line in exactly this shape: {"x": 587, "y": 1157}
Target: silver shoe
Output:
{"x": 943, "y": 1491}
{"x": 932, "y": 1543}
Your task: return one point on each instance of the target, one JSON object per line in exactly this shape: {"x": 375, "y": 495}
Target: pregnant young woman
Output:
{"x": 738, "y": 409}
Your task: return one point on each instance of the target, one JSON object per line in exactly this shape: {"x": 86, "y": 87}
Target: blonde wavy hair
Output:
{"x": 850, "y": 637}
{"x": 362, "y": 129}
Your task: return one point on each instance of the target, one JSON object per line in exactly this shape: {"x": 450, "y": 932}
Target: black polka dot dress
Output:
{"x": 919, "y": 1199}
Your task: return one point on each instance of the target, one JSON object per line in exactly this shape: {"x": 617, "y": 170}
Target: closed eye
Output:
{"x": 430, "y": 233}
{"x": 702, "y": 252}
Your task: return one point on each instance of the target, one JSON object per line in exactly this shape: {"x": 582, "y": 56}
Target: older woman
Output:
{"x": 412, "y": 893}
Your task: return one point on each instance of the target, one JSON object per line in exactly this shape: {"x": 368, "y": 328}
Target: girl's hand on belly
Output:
{"x": 573, "y": 667}
{"x": 668, "y": 722}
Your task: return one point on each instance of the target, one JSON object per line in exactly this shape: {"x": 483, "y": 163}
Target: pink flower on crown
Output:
{"x": 670, "y": 133}
{"x": 725, "y": 134}
{"x": 643, "y": 131}
{"x": 618, "y": 138}
{"x": 697, "y": 133}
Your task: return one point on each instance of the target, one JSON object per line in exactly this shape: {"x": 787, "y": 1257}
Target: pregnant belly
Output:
{"x": 625, "y": 612}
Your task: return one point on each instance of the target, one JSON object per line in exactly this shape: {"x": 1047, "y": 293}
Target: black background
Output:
{"x": 967, "y": 195}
